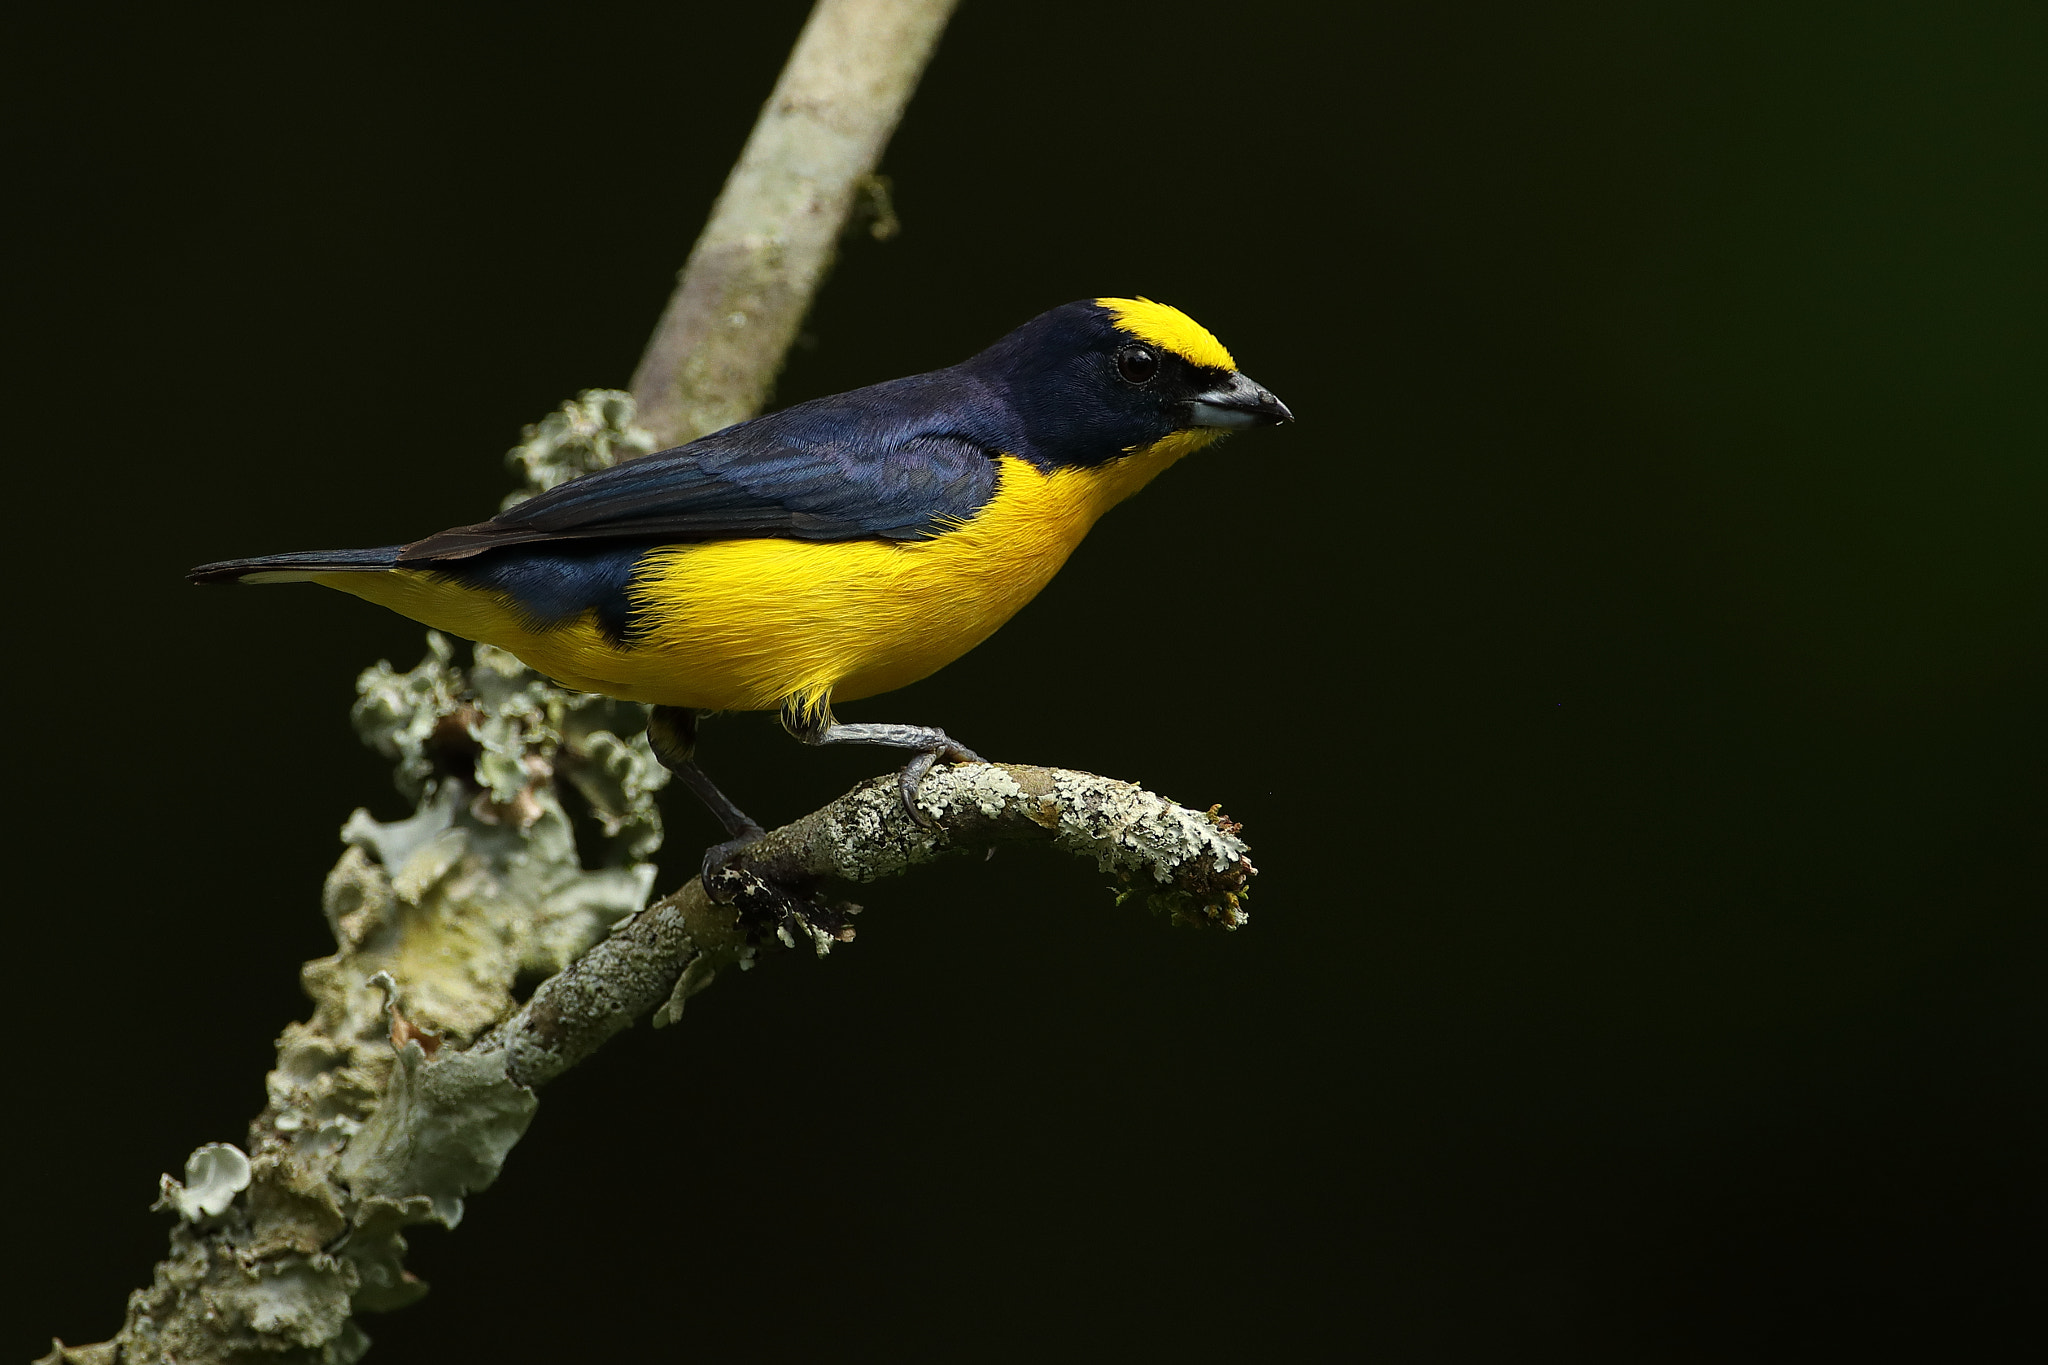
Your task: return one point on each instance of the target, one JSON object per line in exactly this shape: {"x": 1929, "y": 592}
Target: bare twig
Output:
{"x": 751, "y": 277}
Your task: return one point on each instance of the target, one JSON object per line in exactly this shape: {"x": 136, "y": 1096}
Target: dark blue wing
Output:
{"x": 898, "y": 461}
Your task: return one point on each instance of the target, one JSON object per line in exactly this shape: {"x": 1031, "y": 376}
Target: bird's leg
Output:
{"x": 810, "y": 720}
{"x": 672, "y": 731}
{"x": 764, "y": 905}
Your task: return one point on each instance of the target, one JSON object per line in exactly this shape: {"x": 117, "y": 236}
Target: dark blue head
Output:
{"x": 1098, "y": 378}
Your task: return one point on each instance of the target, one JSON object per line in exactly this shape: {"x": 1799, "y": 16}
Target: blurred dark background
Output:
{"x": 1630, "y": 674}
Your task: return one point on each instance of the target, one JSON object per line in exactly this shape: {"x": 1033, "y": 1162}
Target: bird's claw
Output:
{"x": 719, "y": 857}
{"x": 913, "y": 775}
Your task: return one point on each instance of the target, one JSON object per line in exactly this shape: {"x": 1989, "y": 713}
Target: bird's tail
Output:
{"x": 296, "y": 568}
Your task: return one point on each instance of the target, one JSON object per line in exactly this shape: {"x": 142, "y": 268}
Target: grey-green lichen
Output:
{"x": 443, "y": 1129}
{"x": 378, "y": 1118}
{"x": 214, "y": 1175}
{"x": 1188, "y": 864}
{"x": 483, "y": 882}
{"x": 592, "y": 431}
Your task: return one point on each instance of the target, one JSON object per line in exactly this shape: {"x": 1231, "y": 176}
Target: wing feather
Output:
{"x": 899, "y": 461}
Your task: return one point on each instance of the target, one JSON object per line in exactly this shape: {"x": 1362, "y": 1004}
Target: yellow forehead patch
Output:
{"x": 1170, "y": 329}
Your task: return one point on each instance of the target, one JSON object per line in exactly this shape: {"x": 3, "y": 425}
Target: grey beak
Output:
{"x": 1235, "y": 404}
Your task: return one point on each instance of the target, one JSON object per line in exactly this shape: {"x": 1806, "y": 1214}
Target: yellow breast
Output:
{"x": 743, "y": 625}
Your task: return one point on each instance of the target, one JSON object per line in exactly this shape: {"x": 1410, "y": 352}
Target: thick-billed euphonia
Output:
{"x": 830, "y": 551}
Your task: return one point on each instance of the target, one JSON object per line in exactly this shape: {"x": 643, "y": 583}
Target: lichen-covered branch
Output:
{"x": 1190, "y": 865}
{"x": 772, "y": 235}
{"x": 379, "y": 1114}
{"x": 416, "y": 1074}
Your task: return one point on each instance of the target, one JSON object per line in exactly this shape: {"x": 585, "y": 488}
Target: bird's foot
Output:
{"x": 718, "y": 858}
{"x": 913, "y": 775}
{"x": 811, "y": 721}
{"x": 788, "y": 913}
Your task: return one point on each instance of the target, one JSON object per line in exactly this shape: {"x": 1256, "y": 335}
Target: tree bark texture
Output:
{"x": 752, "y": 275}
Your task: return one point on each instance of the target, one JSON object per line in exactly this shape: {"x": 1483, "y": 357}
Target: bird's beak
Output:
{"x": 1235, "y": 404}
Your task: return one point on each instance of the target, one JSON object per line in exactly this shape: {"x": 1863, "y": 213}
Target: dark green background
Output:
{"x": 1630, "y": 673}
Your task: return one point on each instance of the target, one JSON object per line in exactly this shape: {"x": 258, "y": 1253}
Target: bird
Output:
{"x": 831, "y": 551}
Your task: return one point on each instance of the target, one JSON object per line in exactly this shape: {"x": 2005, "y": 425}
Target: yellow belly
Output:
{"x": 743, "y": 625}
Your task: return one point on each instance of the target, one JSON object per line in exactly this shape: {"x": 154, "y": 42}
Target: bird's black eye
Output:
{"x": 1137, "y": 364}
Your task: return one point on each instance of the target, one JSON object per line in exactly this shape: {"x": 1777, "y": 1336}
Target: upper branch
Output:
{"x": 750, "y": 278}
